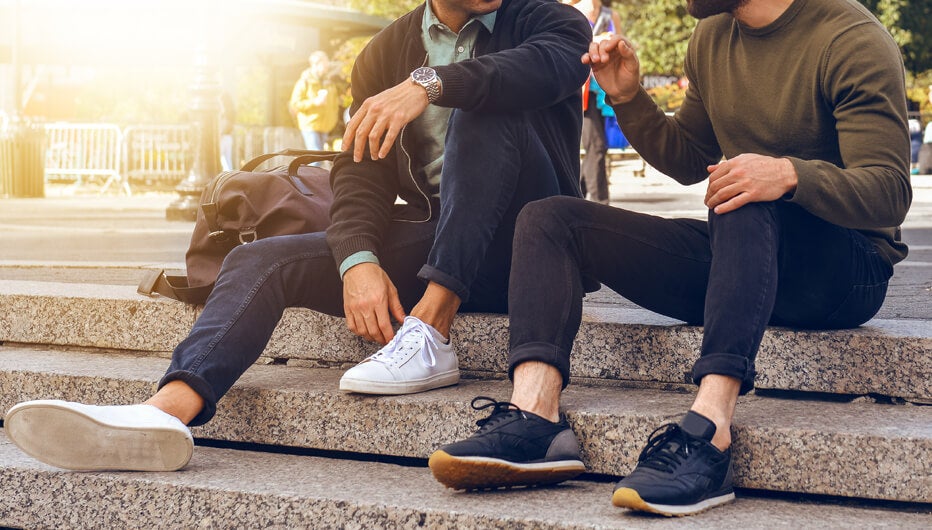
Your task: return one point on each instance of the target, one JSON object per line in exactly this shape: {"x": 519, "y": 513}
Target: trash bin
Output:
{"x": 22, "y": 161}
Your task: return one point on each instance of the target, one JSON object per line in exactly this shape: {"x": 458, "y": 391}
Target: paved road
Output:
{"x": 85, "y": 237}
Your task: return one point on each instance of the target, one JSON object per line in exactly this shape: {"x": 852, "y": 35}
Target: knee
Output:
{"x": 487, "y": 126}
{"x": 752, "y": 216}
{"x": 546, "y": 217}
{"x": 261, "y": 255}
{"x": 246, "y": 257}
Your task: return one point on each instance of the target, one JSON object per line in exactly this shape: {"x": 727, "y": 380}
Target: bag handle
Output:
{"x": 316, "y": 155}
{"x": 156, "y": 282}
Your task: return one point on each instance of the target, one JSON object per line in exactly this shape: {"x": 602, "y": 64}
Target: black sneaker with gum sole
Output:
{"x": 679, "y": 472}
{"x": 511, "y": 448}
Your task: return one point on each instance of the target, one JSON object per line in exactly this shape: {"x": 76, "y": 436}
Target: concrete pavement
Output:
{"x": 87, "y": 238}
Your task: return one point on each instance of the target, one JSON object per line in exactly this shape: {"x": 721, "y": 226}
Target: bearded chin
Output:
{"x": 706, "y": 8}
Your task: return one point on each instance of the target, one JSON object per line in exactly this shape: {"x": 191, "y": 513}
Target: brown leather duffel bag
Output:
{"x": 239, "y": 207}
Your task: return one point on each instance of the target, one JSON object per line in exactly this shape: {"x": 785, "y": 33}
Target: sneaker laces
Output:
{"x": 499, "y": 411}
{"x": 412, "y": 334}
{"x": 666, "y": 448}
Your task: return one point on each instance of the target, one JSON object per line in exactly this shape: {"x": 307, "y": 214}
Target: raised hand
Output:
{"x": 616, "y": 68}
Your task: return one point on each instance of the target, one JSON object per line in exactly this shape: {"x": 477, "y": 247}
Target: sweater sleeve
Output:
{"x": 863, "y": 81}
{"x": 681, "y": 146}
{"x": 543, "y": 68}
{"x": 363, "y": 193}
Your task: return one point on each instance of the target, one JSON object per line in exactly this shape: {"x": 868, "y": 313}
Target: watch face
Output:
{"x": 424, "y": 75}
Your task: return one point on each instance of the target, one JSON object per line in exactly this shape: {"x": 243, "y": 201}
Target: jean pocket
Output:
{"x": 861, "y": 304}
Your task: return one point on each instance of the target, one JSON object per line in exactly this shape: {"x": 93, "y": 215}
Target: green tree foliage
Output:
{"x": 910, "y": 23}
{"x": 390, "y": 9}
{"x": 660, "y": 29}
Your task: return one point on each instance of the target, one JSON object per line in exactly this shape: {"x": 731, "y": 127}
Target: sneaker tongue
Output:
{"x": 698, "y": 425}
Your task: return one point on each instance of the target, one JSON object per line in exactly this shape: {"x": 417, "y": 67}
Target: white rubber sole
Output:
{"x": 362, "y": 386}
{"x": 68, "y": 438}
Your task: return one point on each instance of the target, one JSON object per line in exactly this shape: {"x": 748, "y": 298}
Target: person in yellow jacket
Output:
{"x": 315, "y": 102}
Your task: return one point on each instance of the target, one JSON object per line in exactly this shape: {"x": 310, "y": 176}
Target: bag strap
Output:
{"x": 156, "y": 283}
{"x": 317, "y": 155}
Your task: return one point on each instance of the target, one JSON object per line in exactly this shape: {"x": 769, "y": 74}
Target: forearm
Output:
{"x": 682, "y": 146}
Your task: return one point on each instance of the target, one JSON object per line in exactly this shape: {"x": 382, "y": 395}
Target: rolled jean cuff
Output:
{"x": 432, "y": 274}
{"x": 727, "y": 364}
{"x": 199, "y": 385}
{"x": 541, "y": 352}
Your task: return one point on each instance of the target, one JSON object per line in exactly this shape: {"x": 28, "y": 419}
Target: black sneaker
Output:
{"x": 511, "y": 448}
{"x": 679, "y": 472}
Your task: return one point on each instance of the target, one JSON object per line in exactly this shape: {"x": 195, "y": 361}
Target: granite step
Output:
{"x": 247, "y": 489}
{"x": 854, "y": 449}
{"x": 633, "y": 346}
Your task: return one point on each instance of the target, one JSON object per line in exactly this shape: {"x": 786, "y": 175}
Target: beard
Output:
{"x": 706, "y": 8}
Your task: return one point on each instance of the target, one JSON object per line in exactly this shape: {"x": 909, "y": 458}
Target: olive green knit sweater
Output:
{"x": 822, "y": 85}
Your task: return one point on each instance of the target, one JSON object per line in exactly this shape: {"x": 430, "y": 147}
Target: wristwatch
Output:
{"x": 427, "y": 78}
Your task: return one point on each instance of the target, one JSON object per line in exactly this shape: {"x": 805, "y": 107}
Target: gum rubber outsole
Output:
{"x": 629, "y": 498}
{"x": 473, "y": 474}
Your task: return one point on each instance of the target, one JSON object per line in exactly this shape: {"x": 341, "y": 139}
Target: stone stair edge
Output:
{"x": 884, "y": 357}
{"x": 257, "y": 490}
{"x": 847, "y": 449}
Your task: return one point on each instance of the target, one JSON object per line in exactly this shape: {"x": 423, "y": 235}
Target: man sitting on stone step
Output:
{"x": 466, "y": 110}
{"x": 805, "y": 100}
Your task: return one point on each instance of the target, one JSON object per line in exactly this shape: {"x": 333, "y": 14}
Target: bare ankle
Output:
{"x": 537, "y": 388}
{"x": 716, "y": 400}
{"x": 179, "y": 400}
{"x": 437, "y": 308}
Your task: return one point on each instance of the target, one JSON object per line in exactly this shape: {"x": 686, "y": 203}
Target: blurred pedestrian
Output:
{"x": 594, "y": 174}
{"x": 315, "y": 102}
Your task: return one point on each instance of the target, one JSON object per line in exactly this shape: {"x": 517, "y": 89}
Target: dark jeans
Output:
{"x": 487, "y": 178}
{"x": 763, "y": 263}
{"x": 594, "y": 173}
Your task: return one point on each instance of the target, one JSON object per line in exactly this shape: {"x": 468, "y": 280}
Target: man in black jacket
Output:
{"x": 479, "y": 95}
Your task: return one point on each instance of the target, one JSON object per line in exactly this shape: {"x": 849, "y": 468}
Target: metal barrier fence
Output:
{"x": 80, "y": 150}
{"x": 150, "y": 156}
{"x": 250, "y": 142}
{"x": 158, "y": 155}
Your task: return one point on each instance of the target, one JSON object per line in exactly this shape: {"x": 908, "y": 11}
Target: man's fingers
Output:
{"x": 732, "y": 204}
{"x": 351, "y": 321}
{"x": 375, "y": 139}
{"x": 349, "y": 135}
{"x": 384, "y": 324}
{"x": 394, "y": 306}
{"x": 389, "y": 140}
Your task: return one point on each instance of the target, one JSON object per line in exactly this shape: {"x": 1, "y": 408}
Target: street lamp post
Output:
{"x": 205, "y": 111}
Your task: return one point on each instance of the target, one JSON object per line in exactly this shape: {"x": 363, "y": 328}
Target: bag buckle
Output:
{"x": 248, "y": 236}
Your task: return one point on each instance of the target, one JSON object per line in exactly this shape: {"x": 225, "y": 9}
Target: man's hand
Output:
{"x": 381, "y": 117}
{"x": 369, "y": 297}
{"x": 748, "y": 178}
{"x": 616, "y": 68}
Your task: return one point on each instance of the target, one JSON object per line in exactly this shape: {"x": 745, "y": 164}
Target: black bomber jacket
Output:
{"x": 530, "y": 62}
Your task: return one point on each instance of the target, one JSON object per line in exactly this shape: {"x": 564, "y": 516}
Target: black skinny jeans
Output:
{"x": 763, "y": 263}
{"x": 494, "y": 165}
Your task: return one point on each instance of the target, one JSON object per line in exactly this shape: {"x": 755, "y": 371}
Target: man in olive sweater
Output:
{"x": 796, "y": 115}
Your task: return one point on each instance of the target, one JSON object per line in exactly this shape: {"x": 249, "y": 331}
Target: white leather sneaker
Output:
{"x": 416, "y": 359}
{"x": 91, "y": 437}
